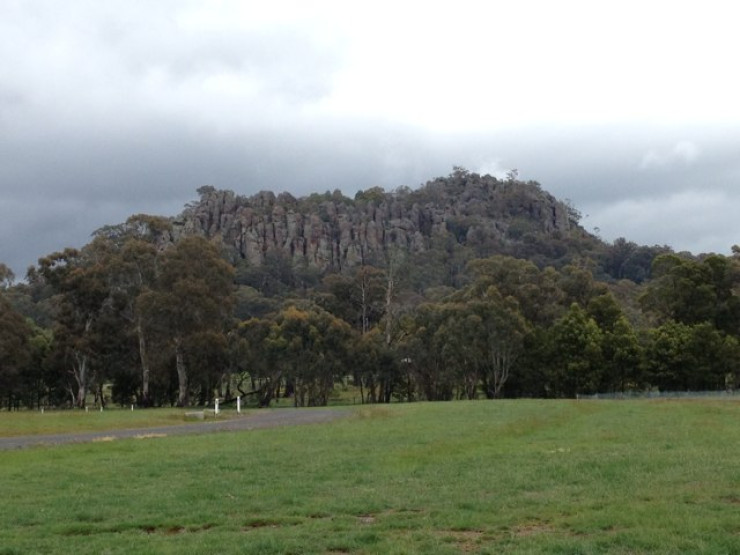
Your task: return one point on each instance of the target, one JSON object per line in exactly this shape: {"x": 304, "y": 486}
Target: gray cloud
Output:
{"x": 114, "y": 108}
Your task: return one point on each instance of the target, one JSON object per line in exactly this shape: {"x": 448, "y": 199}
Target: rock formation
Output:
{"x": 333, "y": 232}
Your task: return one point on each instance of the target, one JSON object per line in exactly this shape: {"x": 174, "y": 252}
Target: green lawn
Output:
{"x": 484, "y": 477}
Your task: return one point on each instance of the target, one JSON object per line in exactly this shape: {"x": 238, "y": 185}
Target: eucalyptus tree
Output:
{"x": 375, "y": 368}
{"x": 501, "y": 336}
{"x": 136, "y": 271}
{"x": 425, "y": 351}
{"x": 357, "y": 297}
{"x": 130, "y": 265}
{"x": 692, "y": 292}
{"x": 620, "y": 346}
{"x": 538, "y": 293}
{"x": 256, "y": 360}
{"x": 78, "y": 278}
{"x": 681, "y": 357}
{"x": 6, "y": 276}
{"x": 575, "y": 353}
{"x": 15, "y": 352}
{"x": 192, "y": 295}
{"x": 311, "y": 347}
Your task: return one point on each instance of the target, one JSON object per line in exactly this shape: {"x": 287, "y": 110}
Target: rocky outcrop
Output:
{"x": 331, "y": 231}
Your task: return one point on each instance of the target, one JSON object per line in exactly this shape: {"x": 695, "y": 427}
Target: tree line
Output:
{"x": 129, "y": 319}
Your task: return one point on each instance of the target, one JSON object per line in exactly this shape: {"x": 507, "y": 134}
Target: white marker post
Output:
{"x": 238, "y": 405}
{"x": 215, "y": 411}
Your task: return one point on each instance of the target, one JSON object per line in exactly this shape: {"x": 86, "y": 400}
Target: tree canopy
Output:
{"x": 462, "y": 289}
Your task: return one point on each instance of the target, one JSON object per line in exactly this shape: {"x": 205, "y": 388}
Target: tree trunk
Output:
{"x": 502, "y": 360}
{"x": 182, "y": 376}
{"x": 389, "y": 305}
{"x": 79, "y": 370}
{"x": 145, "y": 369}
{"x": 363, "y": 296}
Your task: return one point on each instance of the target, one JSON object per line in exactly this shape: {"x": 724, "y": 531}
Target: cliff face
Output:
{"x": 333, "y": 232}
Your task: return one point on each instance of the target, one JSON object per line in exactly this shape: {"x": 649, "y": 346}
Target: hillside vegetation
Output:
{"x": 467, "y": 287}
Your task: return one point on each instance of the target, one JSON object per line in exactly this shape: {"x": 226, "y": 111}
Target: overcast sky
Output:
{"x": 630, "y": 109}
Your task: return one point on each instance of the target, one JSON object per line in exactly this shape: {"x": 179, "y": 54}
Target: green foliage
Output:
{"x": 424, "y": 351}
{"x": 537, "y": 292}
{"x": 79, "y": 281}
{"x": 192, "y": 296}
{"x": 576, "y": 354}
{"x": 15, "y": 351}
{"x": 305, "y": 346}
{"x": 376, "y": 369}
{"x": 627, "y": 260}
{"x": 276, "y": 276}
{"x": 374, "y": 195}
{"x": 692, "y": 292}
{"x": 690, "y": 357}
{"x": 357, "y": 298}
{"x": 6, "y": 276}
{"x": 468, "y": 286}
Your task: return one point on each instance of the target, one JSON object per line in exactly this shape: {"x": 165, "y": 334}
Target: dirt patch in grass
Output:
{"x": 261, "y": 524}
{"x": 531, "y": 529}
{"x": 174, "y": 529}
{"x": 465, "y": 541}
{"x": 257, "y": 523}
{"x": 103, "y": 438}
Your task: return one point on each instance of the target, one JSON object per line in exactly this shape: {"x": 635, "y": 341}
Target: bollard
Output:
{"x": 238, "y": 405}
{"x": 216, "y": 409}
{"x": 132, "y": 408}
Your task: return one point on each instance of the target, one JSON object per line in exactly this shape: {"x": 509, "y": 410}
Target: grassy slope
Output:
{"x": 526, "y": 476}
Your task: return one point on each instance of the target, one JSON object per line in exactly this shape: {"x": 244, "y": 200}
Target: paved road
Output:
{"x": 252, "y": 421}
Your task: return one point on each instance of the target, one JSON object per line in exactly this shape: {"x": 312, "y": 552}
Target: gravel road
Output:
{"x": 252, "y": 421}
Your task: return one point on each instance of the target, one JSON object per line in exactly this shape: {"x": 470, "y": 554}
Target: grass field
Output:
{"x": 13, "y": 424}
{"x": 483, "y": 477}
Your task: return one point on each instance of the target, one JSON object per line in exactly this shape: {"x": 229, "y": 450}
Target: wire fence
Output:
{"x": 724, "y": 394}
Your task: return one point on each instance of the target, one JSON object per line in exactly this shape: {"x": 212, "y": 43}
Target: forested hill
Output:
{"x": 481, "y": 215}
{"x": 467, "y": 287}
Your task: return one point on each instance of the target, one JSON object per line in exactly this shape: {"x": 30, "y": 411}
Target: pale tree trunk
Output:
{"x": 390, "y": 277}
{"x": 501, "y": 362}
{"x": 79, "y": 371}
{"x": 145, "y": 369}
{"x": 395, "y": 260}
{"x": 363, "y": 294}
{"x": 182, "y": 376}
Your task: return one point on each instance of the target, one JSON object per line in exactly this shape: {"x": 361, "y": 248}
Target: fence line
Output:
{"x": 724, "y": 394}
